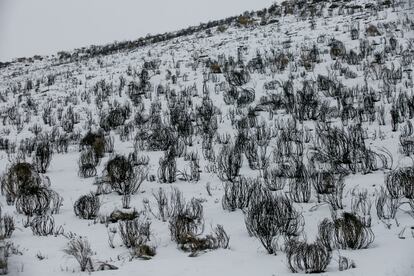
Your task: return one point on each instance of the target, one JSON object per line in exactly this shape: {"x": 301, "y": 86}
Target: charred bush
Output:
{"x": 167, "y": 171}
{"x": 95, "y": 141}
{"x": 18, "y": 177}
{"x": 158, "y": 137}
{"x": 87, "y": 164}
{"x": 351, "y": 233}
{"x": 80, "y": 249}
{"x": 345, "y": 151}
{"x": 400, "y": 183}
{"x": 345, "y": 232}
{"x": 324, "y": 183}
{"x": 188, "y": 221}
{"x": 118, "y": 215}
{"x": 326, "y": 234}
{"x": 361, "y": 206}
{"x": 42, "y": 225}
{"x": 237, "y": 194}
{"x": 33, "y": 201}
{"x": 338, "y": 49}
{"x": 229, "y": 162}
{"x": 300, "y": 189}
{"x": 387, "y": 205}
{"x": 271, "y": 217}
{"x": 274, "y": 178}
{"x": 7, "y": 226}
{"x": 115, "y": 118}
{"x": 245, "y": 97}
{"x": 308, "y": 102}
{"x": 218, "y": 239}
{"x": 43, "y": 156}
{"x": 307, "y": 258}
{"x": 135, "y": 233}
{"x": 123, "y": 177}
{"x": 206, "y": 117}
{"x": 87, "y": 206}
{"x": 187, "y": 225}
{"x": 169, "y": 205}
{"x": 237, "y": 76}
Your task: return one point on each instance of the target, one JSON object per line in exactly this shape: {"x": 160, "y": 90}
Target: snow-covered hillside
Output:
{"x": 275, "y": 142}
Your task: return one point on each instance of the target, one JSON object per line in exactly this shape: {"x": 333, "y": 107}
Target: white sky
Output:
{"x": 29, "y": 27}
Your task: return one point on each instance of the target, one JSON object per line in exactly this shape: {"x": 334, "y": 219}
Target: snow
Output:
{"x": 389, "y": 255}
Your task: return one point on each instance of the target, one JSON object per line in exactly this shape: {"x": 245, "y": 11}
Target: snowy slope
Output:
{"x": 185, "y": 65}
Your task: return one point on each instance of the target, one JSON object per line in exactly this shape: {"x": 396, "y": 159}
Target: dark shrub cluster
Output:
{"x": 307, "y": 258}
{"x": 167, "y": 171}
{"x": 43, "y": 225}
{"x": 136, "y": 234}
{"x": 94, "y": 141}
{"x": 19, "y": 177}
{"x": 400, "y": 183}
{"x": 187, "y": 226}
{"x": 345, "y": 232}
{"x": 43, "y": 156}
{"x": 124, "y": 178}
{"x": 80, "y": 249}
{"x": 87, "y": 206}
{"x": 229, "y": 162}
{"x": 239, "y": 193}
{"x": 7, "y": 226}
{"x": 271, "y": 217}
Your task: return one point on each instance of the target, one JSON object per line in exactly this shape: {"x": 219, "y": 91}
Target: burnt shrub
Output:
{"x": 123, "y": 177}
{"x": 187, "y": 226}
{"x": 136, "y": 234}
{"x": 345, "y": 232}
{"x": 351, "y": 233}
{"x": 43, "y": 156}
{"x": 324, "y": 183}
{"x": 80, "y": 249}
{"x": 18, "y": 177}
{"x": 188, "y": 221}
{"x": 300, "y": 189}
{"x": 237, "y": 194}
{"x": 274, "y": 178}
{"x": 168, "y": 205}
{"x": 272, "y": 217}
{"x": 87, "y": 206}
{"x": 33, "y": 201}
{"x": 400, "y": 183}
{"x": 245, "y": 97}
{"x": 158, "y": 137}
{"x": 6, "y": 226}
{"x": 87, "y": 170}
{"x": 87, "y": 163}
{"x": 372, "y": 30}
{"x": 167, "y": 171}
{"x": 115, "y": 118}
{"x": 229, "y": 162}
{"x": 118, "y": 215}
{"x": 338, "y": 49}
{"x": 237, "y": 76}
{"x": 307, "y": 258}
{"x": 307, "y": 101}
{"x": 344, "y": 151}
{"x": 94, "y": 141}
{"x": 42, "y": 225}
{"x": 387, "y": 205}
{"x": 361, "y": 206}
{"x": 326, "y": 234}
{"x": 218, "y": 239}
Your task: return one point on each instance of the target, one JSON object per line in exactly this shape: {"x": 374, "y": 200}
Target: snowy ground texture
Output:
{"x": 300, "y": 91}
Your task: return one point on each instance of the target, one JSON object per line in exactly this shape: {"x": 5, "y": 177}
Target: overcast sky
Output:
{"x": 29, "y": 27}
